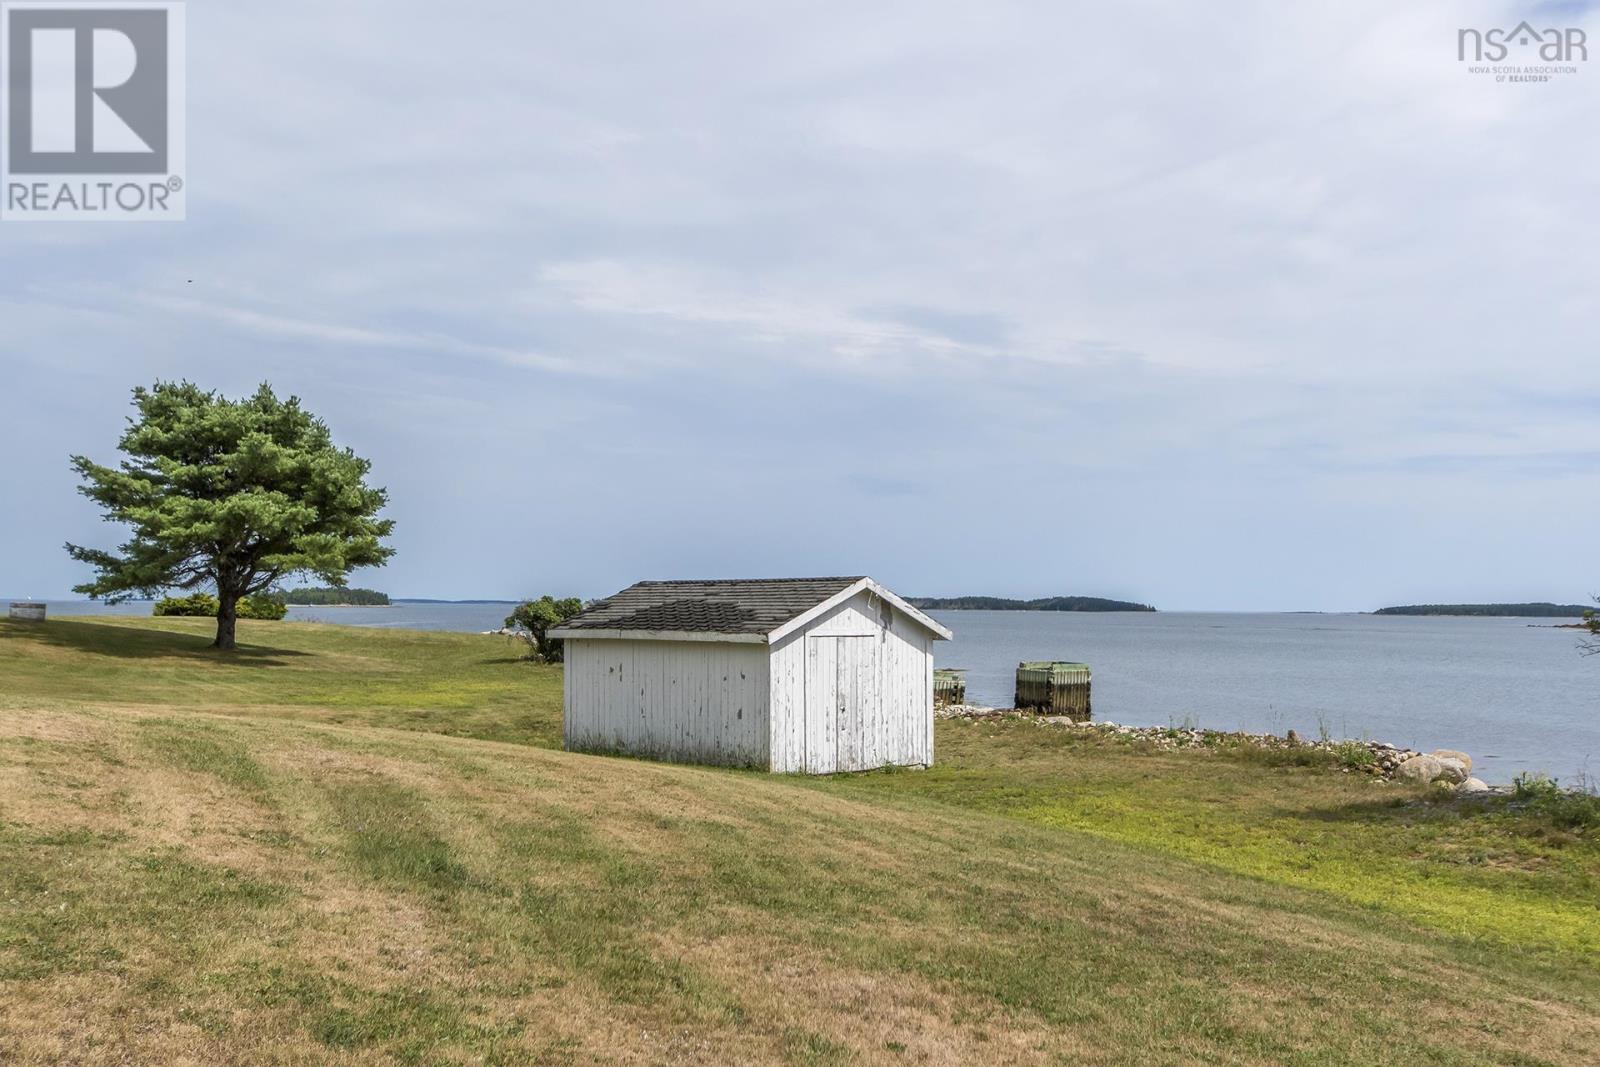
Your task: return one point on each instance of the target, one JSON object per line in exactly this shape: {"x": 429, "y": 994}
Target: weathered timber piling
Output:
{"x": 1054, "y": 688}
{"x": 949, "y": 685}
{"x": 26, "y": 611}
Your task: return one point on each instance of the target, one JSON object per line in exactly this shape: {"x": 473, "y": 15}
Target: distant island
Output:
{"x": 1540, "y": 610}
{"x": 1047, "y": 603}
{"x": 325, "y": 597}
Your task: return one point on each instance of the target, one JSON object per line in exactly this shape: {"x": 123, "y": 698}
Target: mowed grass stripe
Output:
{"x": 378, "y": 895}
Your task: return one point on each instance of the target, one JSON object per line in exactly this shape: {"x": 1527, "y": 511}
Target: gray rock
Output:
{"x": 1473, "y": 787}
{"x": 1421, "y": 769}
{"x": 1450, "y": 753}
{"x": 1452, "y": 770}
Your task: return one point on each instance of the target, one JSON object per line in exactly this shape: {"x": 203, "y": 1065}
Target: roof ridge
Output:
{"x": 751, "y": 581}
{"x": 732, "y": 606}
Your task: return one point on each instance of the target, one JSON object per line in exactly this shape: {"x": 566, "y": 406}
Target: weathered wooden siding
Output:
{"x": 852, "y": 691}
{"x": 703, "y": 702}
{"x": 788, "y": 704}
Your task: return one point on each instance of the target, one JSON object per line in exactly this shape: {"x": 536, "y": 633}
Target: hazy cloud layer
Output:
{"x": 1268, "y": 307}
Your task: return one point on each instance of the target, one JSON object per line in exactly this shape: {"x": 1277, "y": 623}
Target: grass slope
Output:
{"x": 1489, "y": 870}
{"x": 467, "y": 685}
{"x": 326, "y": 850}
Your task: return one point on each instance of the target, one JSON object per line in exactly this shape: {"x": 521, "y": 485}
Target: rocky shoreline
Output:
{"x": 1383, "y": 762}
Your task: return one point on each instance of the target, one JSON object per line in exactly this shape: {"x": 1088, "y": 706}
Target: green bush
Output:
{"x": 1535, "y": 787}
{"x": 200, "y": 605}
{"x": 262, "y": 607}
{"x": 206, "y": 606}
{"x": 1572, "y": 809}
{"x": 1354, "y": 756}
{"x": 534, "y": 618}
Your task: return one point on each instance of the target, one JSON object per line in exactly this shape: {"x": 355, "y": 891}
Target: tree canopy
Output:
{"x": 326, "y": 596}
{"x": 1533, "y": 610}
{"x": 236, "y": 495}
{"x": 537, "y": 617}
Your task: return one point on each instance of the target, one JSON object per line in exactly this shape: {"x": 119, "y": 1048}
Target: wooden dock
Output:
{"x": 1053, "y": 687}
{"x": 949, "y": 685}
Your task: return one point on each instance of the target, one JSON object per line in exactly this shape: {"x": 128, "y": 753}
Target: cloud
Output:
{"x": 956, "y": 327}
{"x": 336, "y": 335}
{"x": 658, "y": 285}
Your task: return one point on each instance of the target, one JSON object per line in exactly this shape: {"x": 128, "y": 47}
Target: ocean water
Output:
{"x": 1514, "y": 693}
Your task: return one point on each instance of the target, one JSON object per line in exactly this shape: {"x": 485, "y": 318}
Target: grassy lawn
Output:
{"x": 358, "y": 846}
{"x": 1487, "y": 870}
{"x": 467, "y": 685}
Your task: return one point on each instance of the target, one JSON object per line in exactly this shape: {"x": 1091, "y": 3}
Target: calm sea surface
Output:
{"x": 1514, "y": 695}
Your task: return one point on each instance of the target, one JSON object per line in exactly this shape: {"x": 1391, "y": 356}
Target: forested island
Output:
{"x": 1540, "y": 610}
{"x": 326, "y": 597}
{"x": 1047, "y": 603}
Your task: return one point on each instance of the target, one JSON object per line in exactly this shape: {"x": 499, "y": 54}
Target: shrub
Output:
{"x": 535, "y": 618}
{"x": 262, "y": 607}
{"x": 1535, "y": 787}
{"x": 1572, "y": 809}
{"x": 206, "y": 606}
{"x": 200, "y": 605}
{"x": 1354, "y": 755}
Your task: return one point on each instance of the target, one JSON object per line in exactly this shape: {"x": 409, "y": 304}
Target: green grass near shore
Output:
{"x": 1489, "y": 869}
{"x": 465, "y": 685}
{"x": 359, "y": 846}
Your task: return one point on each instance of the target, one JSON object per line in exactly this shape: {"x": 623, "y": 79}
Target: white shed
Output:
{"x": 810, "y": 675}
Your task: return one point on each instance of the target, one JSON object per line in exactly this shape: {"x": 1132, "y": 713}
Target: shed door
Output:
{"x": 841, "y": 703}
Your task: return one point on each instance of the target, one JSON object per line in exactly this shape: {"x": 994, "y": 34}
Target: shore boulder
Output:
{"x": 1419, "y": 769}
{"x": 1452, "y": 770}
{"x": 1450, "y": 753}
{"x": 1473, "y": 787}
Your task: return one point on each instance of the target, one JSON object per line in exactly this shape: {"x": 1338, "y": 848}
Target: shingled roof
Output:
{"x": 748, "y": 607}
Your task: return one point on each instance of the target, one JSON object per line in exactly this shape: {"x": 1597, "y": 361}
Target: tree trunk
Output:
{"x": 227, "y": 617}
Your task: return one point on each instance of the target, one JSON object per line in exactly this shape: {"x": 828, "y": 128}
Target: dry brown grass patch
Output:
{"x": 888, "y": 1018}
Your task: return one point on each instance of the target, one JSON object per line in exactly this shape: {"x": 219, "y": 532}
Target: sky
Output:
{"x": 1253, "y": 306}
